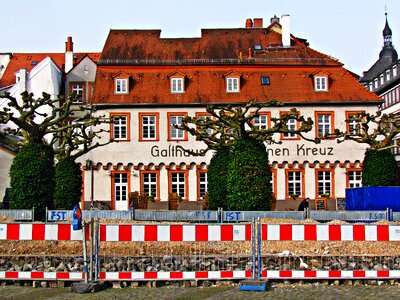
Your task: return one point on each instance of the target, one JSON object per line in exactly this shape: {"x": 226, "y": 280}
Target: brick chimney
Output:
{"x": 69, "y": 55}
{"x": 258, "y": 22}
{"x": 285, "y": 22}
{"x": 249, "y": 23}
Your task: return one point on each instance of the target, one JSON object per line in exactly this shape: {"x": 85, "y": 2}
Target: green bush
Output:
{"x": 217, "y": 172}
{"x": 248, "y": 181}
{"x": 68, "y": 190}
{"x": 32, "y": 179}
{"x": 379, "y": 168}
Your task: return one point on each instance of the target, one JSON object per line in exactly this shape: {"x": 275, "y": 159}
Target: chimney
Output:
{"x": 258, "y": 22}
{"x": 285, "y": 22}
{"x": 69, "y": 55}
{"x": 21, "y": 79}
{"x": 249, "y": 23}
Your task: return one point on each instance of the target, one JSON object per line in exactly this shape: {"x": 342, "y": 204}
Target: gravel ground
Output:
{"x": 308, "y": 291}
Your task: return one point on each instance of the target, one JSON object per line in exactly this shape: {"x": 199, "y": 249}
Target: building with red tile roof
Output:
{"x": 148, "y": 83}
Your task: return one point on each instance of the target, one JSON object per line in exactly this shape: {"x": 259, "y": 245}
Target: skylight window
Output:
{"x": 257, "y": 47}
{"x": 34, "y": 63}
{"x": 265, "y": 80}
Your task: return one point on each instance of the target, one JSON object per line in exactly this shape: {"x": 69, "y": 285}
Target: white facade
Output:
{"x": 135, "y": 157}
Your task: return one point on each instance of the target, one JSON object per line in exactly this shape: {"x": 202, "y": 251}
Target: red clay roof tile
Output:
{"x": 148, "y": 59}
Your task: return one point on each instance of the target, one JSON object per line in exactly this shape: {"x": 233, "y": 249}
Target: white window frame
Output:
{"x": 121, "y": 86}
{"x": 121, "y": 187}
{"x": 232, "y": 85}
{"x": 178, "y": 183}
{"x": 149, "y": 127}
{"x": 77, "y": 88}
{"x": 387, "y": 75}
{"x": 291, "y": 125}
{"x": 354, "y": 125}
{"x": 150, "y": 183}
{"x": 321, "y": 83}
{"x": 175, "y": 133}
{"x": 176, "y": 85}
{"x": 295, "y": 183}
{"x": 394, "y": 70}
{"x": 324, "y": 124}
{"x": 203, "y": 184}
{"x": 355, "y": 178}
{"x": 324, "y": 182}
{"x": 120, "y": 128}
{"x": 375, "y": 83}
{"x": 261, "y": 122}
{"x": 381, "y": 79}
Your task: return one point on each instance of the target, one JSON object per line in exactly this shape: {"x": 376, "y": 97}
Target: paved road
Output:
{"x": 308, "y": 291}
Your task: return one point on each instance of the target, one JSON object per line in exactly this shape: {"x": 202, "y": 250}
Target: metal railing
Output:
{"x": 18, "y": 214}
{"x": 221, "y": 216}
{"x": 214, "y": 61}
{"x": 66, "y": 215}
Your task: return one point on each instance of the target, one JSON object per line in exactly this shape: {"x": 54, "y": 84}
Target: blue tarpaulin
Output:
{"x": 373, "y": 198}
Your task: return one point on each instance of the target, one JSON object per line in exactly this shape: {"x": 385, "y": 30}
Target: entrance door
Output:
{"x": 121, "y": 191}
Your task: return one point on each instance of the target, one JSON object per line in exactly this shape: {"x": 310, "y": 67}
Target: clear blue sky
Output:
{"x": 350, "y": 30}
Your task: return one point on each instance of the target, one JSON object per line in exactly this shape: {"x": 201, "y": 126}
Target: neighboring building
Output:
{"x": 43, "y": 72}
{"x": 383, "y": 78}
{"x": 7, "y": 154}
{"x": 149, "y": 83}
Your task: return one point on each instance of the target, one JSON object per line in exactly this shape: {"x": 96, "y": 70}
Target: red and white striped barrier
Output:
{"x": 329, "y": 232}
{"x": 175, "y": 233}
{"x": 13, "y": 275}
{"x": 204, "y": 275}
{"x": 203, "y": 232}
{"x": 337, "y": 274}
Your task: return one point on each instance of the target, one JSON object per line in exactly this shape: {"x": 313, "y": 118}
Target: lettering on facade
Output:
{"x": 301, "y": 150}
{"x": 171, "y": 151}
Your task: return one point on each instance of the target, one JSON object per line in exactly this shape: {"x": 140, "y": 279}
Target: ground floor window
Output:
{"x": 149, "y": 183}
{"x": 324, "y": 184}
{"x": 178, "y": 183}
{"x": 294, "y": 183}
{"x": 202, "y": 183}
{"x": 354, "y": 178}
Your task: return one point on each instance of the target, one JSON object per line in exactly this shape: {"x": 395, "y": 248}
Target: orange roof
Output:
{"x": 249, "y": 52}
{"x": 126, "y": 46}
{"x": 206, "y": 84}
{"x": 29, "y": 60}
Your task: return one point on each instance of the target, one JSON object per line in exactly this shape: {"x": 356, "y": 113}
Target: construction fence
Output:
{"x": 169, "y": 252}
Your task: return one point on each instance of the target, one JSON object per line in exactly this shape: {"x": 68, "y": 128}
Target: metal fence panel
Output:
{"x": 240, "y": 216}
{"x": 175, "y": 215}
{"x": 18, "y": 214}
{"x": 396, "y": 216}
{"x": 356, "y": 215}
{"x": 66, "y": 215}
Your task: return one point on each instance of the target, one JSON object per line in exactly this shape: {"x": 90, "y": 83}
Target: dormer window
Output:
{"x": 177, "y": 82}
{"x": 232, "y": 85}
{"x": 321, "y": 80}
{"x": 320, "y": 83}
{"x": 121, "y": 83}
{"x": 121, "y": 86}
{"x": 177, "y": 85}
{"x": 232, "y": 82}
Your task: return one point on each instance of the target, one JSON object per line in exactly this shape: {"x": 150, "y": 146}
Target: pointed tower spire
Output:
{"x": 387, "y": 33}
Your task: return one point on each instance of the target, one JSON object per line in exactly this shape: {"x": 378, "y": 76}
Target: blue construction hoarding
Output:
{"x": 373, "y": 198}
